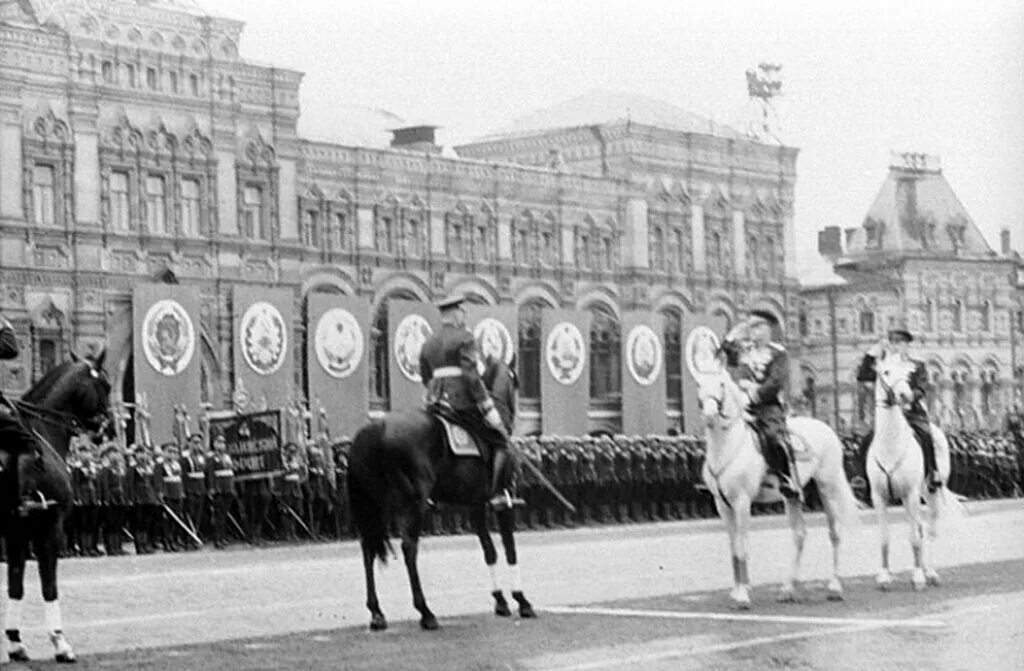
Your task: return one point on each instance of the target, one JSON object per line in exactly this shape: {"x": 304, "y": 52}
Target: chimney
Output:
{"x": 830, "y": 242}
{"x": 1004, "y": 242}
{"x": 415, "y": 138}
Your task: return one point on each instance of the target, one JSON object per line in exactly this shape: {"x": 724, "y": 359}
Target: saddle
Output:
{"x": 458, "y": 437}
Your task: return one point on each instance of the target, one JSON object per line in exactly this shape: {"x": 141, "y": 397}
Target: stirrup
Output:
{"x": 505, "y": 500}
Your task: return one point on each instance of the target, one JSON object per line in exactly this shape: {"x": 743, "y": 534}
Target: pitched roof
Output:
{"x": 600, "y": 107}
{"x": 916, "y": 212}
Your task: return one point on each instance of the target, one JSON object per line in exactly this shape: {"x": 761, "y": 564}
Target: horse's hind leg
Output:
{"x": 798, "y": 525}
{"x": 934, "y": 499}
{"x": 377, "y": 620}
{"x": 16, "y": 551}
{"x": 830, "y": 501}
{"x": 507, "y": 526}
{"x": 478, "y": 518}
{"x": 411, "y": 530}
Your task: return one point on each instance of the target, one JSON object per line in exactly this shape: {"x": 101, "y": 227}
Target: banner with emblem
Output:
{"x": 409, "y": 325}
{"x": 495, "y": 329}
{"x": 565, "y": 372}
{"x": 165, "y": 333}
{"x": 338, "y": 355}
{"x": 702, "y": 345}
{"x": 263, "y": 344}
{"x": 643, "y": 374}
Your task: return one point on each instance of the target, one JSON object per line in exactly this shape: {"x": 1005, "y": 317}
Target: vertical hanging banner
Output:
{"x": 495, "y": 328}
{"x": 409, "y": 325}
{"x": 565, "y": 372}
{"x": 263, "y": 346}
{"x": 165, "y": 328}
{"x": 643, "y": 374}
{"x": 337, "y": 359}
{"x": 692, "y": 423}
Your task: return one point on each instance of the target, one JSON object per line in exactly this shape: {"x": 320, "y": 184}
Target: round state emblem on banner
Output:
{"x": 493, "y": 339}
{"x": 263, "y": 337}
{"x": 410, "y": 335}
{"x": 565, "y": 352}
{"x": 168, "y": 337}
{"x": 338, "y": 342}
{"x": 644, "y": 355}
{"x": 701, "y": 354}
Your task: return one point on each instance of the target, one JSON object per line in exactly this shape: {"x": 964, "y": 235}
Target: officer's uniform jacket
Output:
{"x": 448, "y": 367}
{"x": 193, "y": 475}
{"x": 169, "y": 473}
{"x": 868, "y": 372}
{"x": 220, "y": 472}
{"x": 768, "y": 366}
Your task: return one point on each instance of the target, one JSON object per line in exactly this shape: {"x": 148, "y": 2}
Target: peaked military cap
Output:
{"x": 766, "y": 316}
{"x": 900, "y": 335}
{"x": 451, "y": 302}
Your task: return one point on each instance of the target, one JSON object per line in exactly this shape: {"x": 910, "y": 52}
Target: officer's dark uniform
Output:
{"x": 220, "y": 477}
{"x": 448, "y": 368}
{"x": 169, "y": 473}
{"x": 917, "y": 412}
{"x": 14, "y": 439}
{"x": 291, "y": 490}
{"x": 768, "y": 367}
{"x": 193, "y": 474}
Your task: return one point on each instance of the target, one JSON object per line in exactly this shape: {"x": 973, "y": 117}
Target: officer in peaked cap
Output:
{"x": 917, "y": 412}
{"x": 764, "y": 378}
{"x": 448, "y": 368}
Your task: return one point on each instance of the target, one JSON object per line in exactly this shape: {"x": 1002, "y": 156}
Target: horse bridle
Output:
{"x": 720, "y": 400}
{"x": 64, "y": 420}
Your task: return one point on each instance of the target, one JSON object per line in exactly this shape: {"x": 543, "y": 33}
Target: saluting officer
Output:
{"x": 448, "y": 367}
{"x": 763, "y": 371}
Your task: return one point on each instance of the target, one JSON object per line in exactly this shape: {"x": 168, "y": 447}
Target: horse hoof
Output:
{"x": 66, "y": 658}
{"x": 932, "y": 579}
{"x": 527, "y": 612}
{"x": 18, "y": 654}
{"x": 429, "y": 623}
{"x": 883, "y": 581}
{"x": 786, "y": 596}
{"x": 378, "y": 623}
{"x": 501, "y": 608}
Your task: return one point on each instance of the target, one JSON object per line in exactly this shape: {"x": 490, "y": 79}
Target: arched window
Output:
{"x": 929, "y": 315}
{"x": 769, "y": 253}
{"x": 380, "y": 386}
{"x": 810, "y": 394}
{"x": 605, "y": 354}
{"x": 530, "y": 348}
{"x": 958, "y": 316}
{"x": 753, "y": 258}
{"x": 715, "y": 253}
{"x": 986, "y": 316}
{"x": 673, "y": 338}
{"x": 867, "y": 321}
{"x": 657, "y": 248}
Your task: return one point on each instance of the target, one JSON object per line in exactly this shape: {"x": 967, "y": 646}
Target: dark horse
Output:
{"x": 395, "y": 468}
{"x": 71, "y": 398}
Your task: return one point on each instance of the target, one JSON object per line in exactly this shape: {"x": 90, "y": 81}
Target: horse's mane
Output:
{"x": 49, "y": 379}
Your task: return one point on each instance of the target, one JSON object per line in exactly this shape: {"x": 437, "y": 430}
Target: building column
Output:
{"x": 700, "y": 261}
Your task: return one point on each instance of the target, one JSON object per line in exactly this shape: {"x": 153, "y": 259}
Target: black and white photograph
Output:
{"x": 518, "y": 335}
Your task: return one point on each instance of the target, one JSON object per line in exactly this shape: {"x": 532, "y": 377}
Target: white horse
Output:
{"x": 736, "y": 473}
{"x": 895, "y": 469}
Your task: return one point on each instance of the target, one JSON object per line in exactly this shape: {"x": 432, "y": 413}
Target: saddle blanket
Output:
{"x": 460, "y": 441}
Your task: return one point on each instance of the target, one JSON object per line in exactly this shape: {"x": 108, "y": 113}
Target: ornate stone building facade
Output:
{"x": 136, "y": 145}
{"x": 916, "y": 261}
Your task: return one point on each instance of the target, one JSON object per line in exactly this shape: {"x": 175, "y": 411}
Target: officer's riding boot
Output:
{"x": 787, "y": 486}
{"x": 931, "y": 469}
{"x": 501, "y": 497}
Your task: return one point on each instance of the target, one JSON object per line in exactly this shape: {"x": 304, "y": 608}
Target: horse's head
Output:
{"x": 717, "y": 398}
{"x": 893, "y": 386}
{"x": 77, "y": 392}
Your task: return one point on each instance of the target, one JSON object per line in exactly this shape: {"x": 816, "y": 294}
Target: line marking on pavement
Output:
{"x": 619, "y": 662}
{"x": 779, "y": 619}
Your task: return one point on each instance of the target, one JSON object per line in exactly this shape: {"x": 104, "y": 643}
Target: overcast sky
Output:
{"x": 860, "y": 79}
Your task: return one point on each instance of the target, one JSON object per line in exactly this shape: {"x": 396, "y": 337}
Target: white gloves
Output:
{"x": 491, "y": 416}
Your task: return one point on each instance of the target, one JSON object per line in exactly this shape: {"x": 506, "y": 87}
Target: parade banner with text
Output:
{"x": 253, "y": 441}
{"x": 692, "y": 423}
{"x": 409, "y": 326}
{"x": 338, "y": 354}
{"x": 263, "y": 347}
{"x": 643, "y": 374}
{"x": 165, "y": 319}
{"x": 565, "y": 372}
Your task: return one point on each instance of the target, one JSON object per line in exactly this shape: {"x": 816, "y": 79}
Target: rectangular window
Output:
{"x": 867, "y": 322}
{"x": 151, "y": 79}
{"x": 313, "y": 228}
{"x": 44, "y": 199}
{"x": 341, "y": 230}
{"x": 120, "y": 201}
{"x": 129, "y": 72}
{"x": 173, "y": 79}
{"x": 252, "y": 206}
{"x": 193, "y": 85}
{"x": 107, "y": 70}
{"x": 156, "y": 205}
{"x": 47, "y": 354}
{"x": 190, "y": 207}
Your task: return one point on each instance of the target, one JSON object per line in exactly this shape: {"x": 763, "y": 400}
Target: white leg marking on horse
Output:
{"x": 52, "y": 619}
{"x": 517, "y": 577}
{"x": 493, "y": 570}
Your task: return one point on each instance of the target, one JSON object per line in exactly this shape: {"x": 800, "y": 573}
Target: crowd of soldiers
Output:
{"x": 177, "y": 499}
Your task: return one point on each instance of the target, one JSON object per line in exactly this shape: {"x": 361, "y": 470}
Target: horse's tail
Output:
{"x": 848, "y": 508}
{"x": 367, "y": 491}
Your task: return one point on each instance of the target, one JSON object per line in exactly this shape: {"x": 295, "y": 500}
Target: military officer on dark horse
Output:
{"x": 916, "y": 412}
{"x": 763, "y": 370}
{"x": 14, "y": 438}
{"x": 448, "y": 368}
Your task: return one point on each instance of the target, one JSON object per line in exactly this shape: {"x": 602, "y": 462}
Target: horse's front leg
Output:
{"x": 934, "y": 500}
{"x": 506, "y": 527}
{"x": 798, "y": 525}
{"x": 47, "y": 553}
{"x": 916, "y": 531}
{"x": 16, "y": 554}
{"x": 478, "y": 518}
{"x": 728, "y": 513}
{"x": 880, "y": 503}
{"x": 410, "y": 549}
